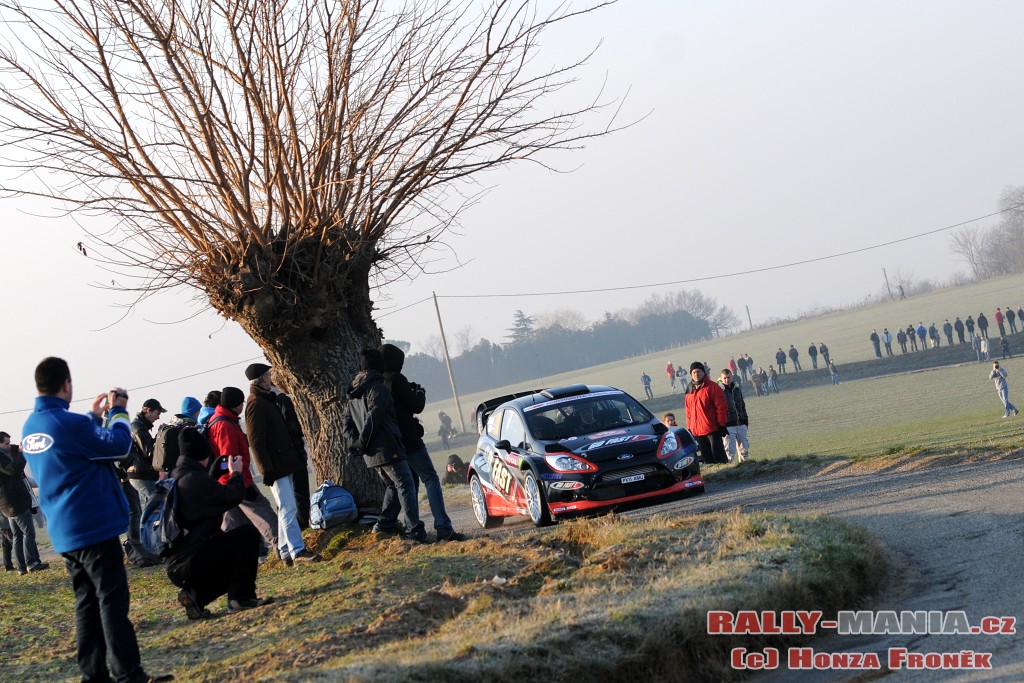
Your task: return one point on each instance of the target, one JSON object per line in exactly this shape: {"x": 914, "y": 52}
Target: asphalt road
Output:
{"x": 953, "y": 536}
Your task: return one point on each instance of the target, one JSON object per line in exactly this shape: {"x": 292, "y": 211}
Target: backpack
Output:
{"x": 165, "y": 449}
{"x": 331, "y": 505}
{"x": 160, "y": 529}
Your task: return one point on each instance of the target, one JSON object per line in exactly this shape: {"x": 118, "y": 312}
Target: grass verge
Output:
{"x": 609, "y": 599}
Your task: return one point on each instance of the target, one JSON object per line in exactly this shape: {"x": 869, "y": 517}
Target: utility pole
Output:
{"x": 749, "y": 320}
{"x": 448, "y": 364}
{"x": 887, "y": 287}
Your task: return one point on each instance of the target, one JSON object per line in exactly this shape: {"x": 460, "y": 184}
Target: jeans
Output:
{"x": 399, "y": 495}
{"x": 24, "y": 540}
{"x": 145, "y": 489}
{"x": 737, "y": 437}
{"x": 134, "y": 510}
{"x": 422, "y": 467}
{"x": 289, "y": 535}
{"x": 814, "y": 362}
{"x": 1004, "y": 396}
{"x": 835, "y": 378}
{"x": 712, "y": 449}
{"x": 104, "y": 634}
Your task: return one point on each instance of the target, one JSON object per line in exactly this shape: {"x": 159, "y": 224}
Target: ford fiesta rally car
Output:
{"x": 572, "y": 450}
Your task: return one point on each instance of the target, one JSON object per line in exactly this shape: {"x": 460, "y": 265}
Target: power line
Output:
{"x": 723, "y": 275}
{"x": 154, "y": 384}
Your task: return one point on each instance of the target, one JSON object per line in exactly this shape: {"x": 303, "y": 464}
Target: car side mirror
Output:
{"x": 660, "y": 428}
{"x": 504, "y": 445}
{"x": 555, "y": 448}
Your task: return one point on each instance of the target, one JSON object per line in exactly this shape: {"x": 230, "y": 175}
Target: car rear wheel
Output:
{"x": 536, "y": 502}
{"x": 483, "y": 517}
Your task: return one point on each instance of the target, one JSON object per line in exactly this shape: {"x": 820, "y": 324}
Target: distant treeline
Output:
{"x": 535, "y": 354}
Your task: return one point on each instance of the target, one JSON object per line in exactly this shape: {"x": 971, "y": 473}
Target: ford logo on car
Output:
{"x": 625, "y": 456}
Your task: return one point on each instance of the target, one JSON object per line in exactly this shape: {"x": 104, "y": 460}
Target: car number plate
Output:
{"x": 635, "y": 477}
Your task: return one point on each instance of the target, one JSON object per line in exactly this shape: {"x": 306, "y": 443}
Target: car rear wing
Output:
{"x": 484, "y": 410}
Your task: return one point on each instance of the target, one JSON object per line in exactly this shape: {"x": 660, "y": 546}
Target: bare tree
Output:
{"x": 969, "y": 244}
{"x": 432, "y": 347}
{"x": 281, "y": 158}
{"x": 465, "y": 338}
{"x": 569, "y": 319}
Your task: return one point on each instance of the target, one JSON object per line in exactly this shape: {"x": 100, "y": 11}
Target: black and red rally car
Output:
{"x": 573, "y": 450}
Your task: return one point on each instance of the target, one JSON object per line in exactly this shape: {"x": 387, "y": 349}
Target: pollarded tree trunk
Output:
{"x": 312, "y": 339}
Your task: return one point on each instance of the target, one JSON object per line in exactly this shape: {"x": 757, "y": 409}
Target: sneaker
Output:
{"x": 453, "y": 536}
{"x": 305, "y": 557}
{"x": 187, "y": 599}
{"x": 1015, "y": 411}
{"x": 383, "y": 531}
{"x": 420, "y": 538}
{"x": 242, "y": 605}
{"x": 288, "y": 561}
{"x": 39, "y": 566}
{"x": 260, "y": 559}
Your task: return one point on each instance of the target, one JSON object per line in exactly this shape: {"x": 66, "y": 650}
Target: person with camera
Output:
{"x": 16, "y": 507}
{"x": 209, "y": 562}
{"x": 72, "y": 457}
{"x": 1003, "y": 389}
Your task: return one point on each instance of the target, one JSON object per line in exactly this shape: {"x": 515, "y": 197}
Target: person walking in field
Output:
{"x": 645, "y": 379}
{"x": 1003, "y": 389}
{"x": 671, "y": 372}
{"x": 834, "y": 372}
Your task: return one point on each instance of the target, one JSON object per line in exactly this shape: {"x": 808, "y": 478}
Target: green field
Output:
{"x": 949, "y": 408}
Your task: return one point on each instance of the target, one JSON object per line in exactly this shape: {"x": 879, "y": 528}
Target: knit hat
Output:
{"x": 255, "y": 371}
{"x": 190, "y": 406}
{"x": 231, "y": 397}
{"x": 193, "y": 445}
{"x": 696, "y": 365}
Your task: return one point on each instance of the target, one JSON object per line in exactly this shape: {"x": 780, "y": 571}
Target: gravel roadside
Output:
{"x": 952, "y": 532}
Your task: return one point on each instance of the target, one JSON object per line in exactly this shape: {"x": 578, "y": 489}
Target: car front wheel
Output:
{"x": 483, "y": 518}
{"x": 536, "y": 502}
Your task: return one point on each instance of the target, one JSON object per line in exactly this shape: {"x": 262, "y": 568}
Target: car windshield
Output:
{"x": 562, "y": 419}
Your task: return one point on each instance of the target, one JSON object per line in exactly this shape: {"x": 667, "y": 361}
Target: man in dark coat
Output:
{"x": 947, "y": 329}
{"x": 274, "y": 454}
{"x": 209, "y": 562}
{"x": 823, "y": 350}
{"x": 969, "y": 324}
{"x": 876, "y": 343}
{"x": 1011, "y": 318}
{"x": 409, "y": 399}
{"x": 780, "y": 359}
{"x": 737, "y": 422}
{"x": 958, "y": 325}
{"x": 299, "y": 479}
{"x": 812, "y": 351}
{"x": 16, "y": 506}
{"x": 901, "y": 339}
{"x": 371, "y": 427}
{"x": 983, "y": 325}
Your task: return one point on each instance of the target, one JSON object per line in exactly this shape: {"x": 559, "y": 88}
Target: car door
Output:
{"x": 506, "y": 456}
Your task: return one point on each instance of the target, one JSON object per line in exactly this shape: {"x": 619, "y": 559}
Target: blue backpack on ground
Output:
{"x": 331, "y": 505}
{"x": 160, "y": 529}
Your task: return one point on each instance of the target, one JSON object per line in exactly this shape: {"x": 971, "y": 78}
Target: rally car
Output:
{"x": 574, "y": 450}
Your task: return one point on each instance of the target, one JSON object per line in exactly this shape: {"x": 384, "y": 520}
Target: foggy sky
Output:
{"x": 766, "y": 133}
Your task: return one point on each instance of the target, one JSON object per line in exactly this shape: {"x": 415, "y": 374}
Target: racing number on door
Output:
{"x": 500, "y": 475}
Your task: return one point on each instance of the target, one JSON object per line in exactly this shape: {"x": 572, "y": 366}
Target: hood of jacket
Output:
{"x": 362, "y": 382}
{"x": 394, "y": 358}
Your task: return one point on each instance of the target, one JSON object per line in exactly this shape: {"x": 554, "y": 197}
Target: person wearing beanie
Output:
{"x": 409, "y": 399}
{"x": 371, "y": 427}
{"x": 210, "y": 562}
{"x": 707, "y": 414}
{"x": 277, "y": 459}
{"x": 227, "y": 439}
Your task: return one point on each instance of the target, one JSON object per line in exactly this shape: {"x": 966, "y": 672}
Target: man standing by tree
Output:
{"x": 409, "y": 399}
{"x": 276, "y": 459}
{"x": 16, "y": 506}
{"x": 71, "y": 457}
{"x": 371, "y": 426}
{"x": 707, "y": 414}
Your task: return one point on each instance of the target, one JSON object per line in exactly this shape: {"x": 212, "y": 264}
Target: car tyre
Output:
{"x": 483, "y": 517}
{"x": 536, "y": 501}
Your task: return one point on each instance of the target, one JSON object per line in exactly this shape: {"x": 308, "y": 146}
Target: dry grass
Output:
{"x": 610, "y": 599}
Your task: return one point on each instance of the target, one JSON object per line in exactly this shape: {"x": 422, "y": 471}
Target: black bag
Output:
{"x": 160, "y": 529}
{"x": 165, "y": 448}
{"x": 138, "y": 556}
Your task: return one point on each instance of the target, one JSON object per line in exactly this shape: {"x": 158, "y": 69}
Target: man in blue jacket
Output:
{"x": 72, "y": 457}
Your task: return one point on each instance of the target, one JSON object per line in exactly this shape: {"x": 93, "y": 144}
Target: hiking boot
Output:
{"x": 288, "y": 561}
{"x": 305, "y": 557}
{"x": 453, "y": 536}
{"x": 384, "y": 531}
{"x": 187, "y": 599}
{"x": 420, "y": 538}
{"x": 39, "y": 566}
{"x": 242, "y": 605}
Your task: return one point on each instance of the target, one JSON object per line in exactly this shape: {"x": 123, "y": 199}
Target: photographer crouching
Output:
{"x": 209, "y": 562}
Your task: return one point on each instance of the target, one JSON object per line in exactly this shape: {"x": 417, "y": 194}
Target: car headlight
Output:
{"x": 669, "y": 445}
{"x": 564, "y": 462}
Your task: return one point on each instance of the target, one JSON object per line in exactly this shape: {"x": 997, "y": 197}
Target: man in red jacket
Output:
{"x": 707, "y": 413}
{"x": 228, "y": 439}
